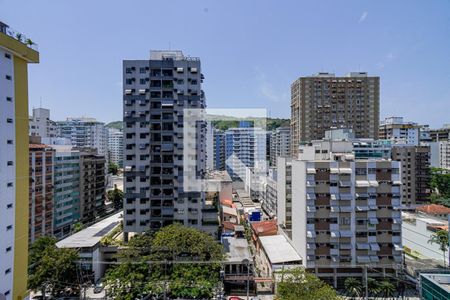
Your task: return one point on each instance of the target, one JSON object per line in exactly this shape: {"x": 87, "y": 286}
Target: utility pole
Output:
{"x": 366, "y": 288}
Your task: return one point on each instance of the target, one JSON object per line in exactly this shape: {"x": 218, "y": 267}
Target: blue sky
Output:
{"x": 251, "y": 51}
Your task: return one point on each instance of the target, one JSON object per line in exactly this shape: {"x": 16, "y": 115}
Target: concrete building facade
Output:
{"x": 115, "y": 146}
{"x": 280, "y": 144}
{"x": 245, "y": 147}
{"x": 415, "y": 173}
{"x": 41, "y": 125}
{"x": 41, "y": 191}
{"x": 219, "y": 149}
{"x": 156, "y": 93}
{"x": 399, "y": 131}
{"x": 66, "y": 189}
{"x": 440, "y": 154}
{"x": 345, "y": 212}
{"x": 324, "y": 101}
{"x": 15, "y": 55}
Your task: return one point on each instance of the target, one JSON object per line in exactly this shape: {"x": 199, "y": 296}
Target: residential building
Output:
{"x": 269, "y": 194}
{"x": 399, "y": 131}
{"x": 115, "y": 146}
{"x": 441, "y": 134}
{"x": 415, "y": 168}
{"x": 280, "y": 144}
{"x": 92, "y": 185}
{"x": 209, "y": 146}
{"x": 244, "y": 147}
{"x": 284, "y": 193}
{"x": 434, "y": 286}
{"x": 417, "y": 230}
{"x": 255, "y": 181}
{"x": 41, "y": 125}
{"x": 440, "y": 154}
{"x": 324, "y": 101}
{"x": 345, "y": 212}
{"x": 88, "y": 243}
{"x": 15, "y": 55}
{"x": 41, "y": 191}
{"x": 219, "y": 149}
{"x": 66, "y": 189}
{"x": 85, "y": 132}
{"x": 239, "y": 267}
{"x": 434, "y": 210}
{"x": 372, "y": 149}
{"x": 156, "y": 93}
{"x": 425, "y": 134}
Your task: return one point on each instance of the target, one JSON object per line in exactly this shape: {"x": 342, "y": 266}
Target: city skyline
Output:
{"x": 370, "y": 39}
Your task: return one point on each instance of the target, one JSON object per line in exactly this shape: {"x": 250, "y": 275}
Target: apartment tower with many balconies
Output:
{"x": 345, "y": 212}
{"x": 156, "y": 93}
{"x": 324, "y": 101}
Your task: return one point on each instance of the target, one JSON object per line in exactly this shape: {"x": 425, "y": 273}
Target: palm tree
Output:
{"x": 353, "y": 287}
{"x": 386, "y": 289}
{"x": 19, "y": 37}
{"x": 440, "y": 237}
{"x": 372, "y": 286}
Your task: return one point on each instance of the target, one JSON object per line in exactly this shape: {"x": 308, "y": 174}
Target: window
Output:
{"x": 142, "y": 70}
{"x": 7, "y": 271}
{"x": 8, "y": 56}
{"x": 9, "y": 120}
{"x": 9, "y": 184}
{"x": 129, "y": 81}
{"x": 128, "y": 70}
{"x": 9, "y": 205}
{"x": 9, "y": 99}
{"x": 9, "y": 227}
{"x": 8, "y": 249}
{"x": 8, "y": 77}
{"x": 10, "y": 163}
{"x": 142, "y": 81}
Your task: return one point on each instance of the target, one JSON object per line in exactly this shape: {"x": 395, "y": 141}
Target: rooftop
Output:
{"x": 90, "y": 236}
{"x": 17, "y": 43}
{"x": 170, "y": 55}
{"x": 265, "y": 228}
{"x": 433, "y": 209}
{"x": 442, "y": 280}
{"x": 236, "y": 249}
{"x": 229, "y": 210}
{"x": 279, "y": 250}
{"x": 218, "y": 175}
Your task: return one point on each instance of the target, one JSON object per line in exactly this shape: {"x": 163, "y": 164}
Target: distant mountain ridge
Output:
{"x": 115, "y": 125}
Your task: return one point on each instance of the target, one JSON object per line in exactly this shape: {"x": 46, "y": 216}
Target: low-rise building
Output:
{"x": 269, "y": 194}
{"x": 93, "y": 254}
{"x": 417, "y": 230}
{"x": 435, "y": 286}
{"x": 239, "y": 266}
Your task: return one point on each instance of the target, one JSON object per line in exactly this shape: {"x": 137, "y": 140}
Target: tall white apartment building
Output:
{"x": 115, "y": 146}
{"x": 85, "y": 132}
{"x": 245, "y": 147}
{"x": 440, "y": 154}
{"x": 41, "y": 125}
{"x": 15, "y": 55}
{"x": 345, "y": 212}
{"x": 156, "y": 93}
{"x": 280, "y": 144}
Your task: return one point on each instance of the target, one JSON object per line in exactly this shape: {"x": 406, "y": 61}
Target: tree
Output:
{"x": 77, "y": 227}
{"x": 135, "y": 276}
{"x": 113, "y": 168}
{"x": 297, "y": 284}
{"x": 52, "y": 268}
{"x": 440, "y": 237}
{"x": 386, "y": 289}
{"x": 373, "y": 286}
{"x": 116, "y": 196}
{"x": 353, "y": 287}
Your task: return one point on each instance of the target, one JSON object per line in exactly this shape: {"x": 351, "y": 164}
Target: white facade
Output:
{"x": 399, "y": 131}
{"x": 244, "y": 147}
{"x": 440, "y": 154}
{"x": 85, "y": 132}
{"x": 41, "y": 125}
{"x": 115, "y": 146}
{"x": 7, "y": 172}
{"x": 416, "y": 234}
{"x": 280, "y": 144}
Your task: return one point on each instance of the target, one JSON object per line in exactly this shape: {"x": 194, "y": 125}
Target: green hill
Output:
{"x": 115, "y": 124}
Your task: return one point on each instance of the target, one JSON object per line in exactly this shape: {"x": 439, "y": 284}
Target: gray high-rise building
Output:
{"x": 324, "y": 101}
{"x": 156, "y": 92}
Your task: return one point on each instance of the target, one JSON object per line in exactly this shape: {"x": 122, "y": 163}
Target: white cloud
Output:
{"x": 363, "y": 17}
{"x": 266, "y": 89}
